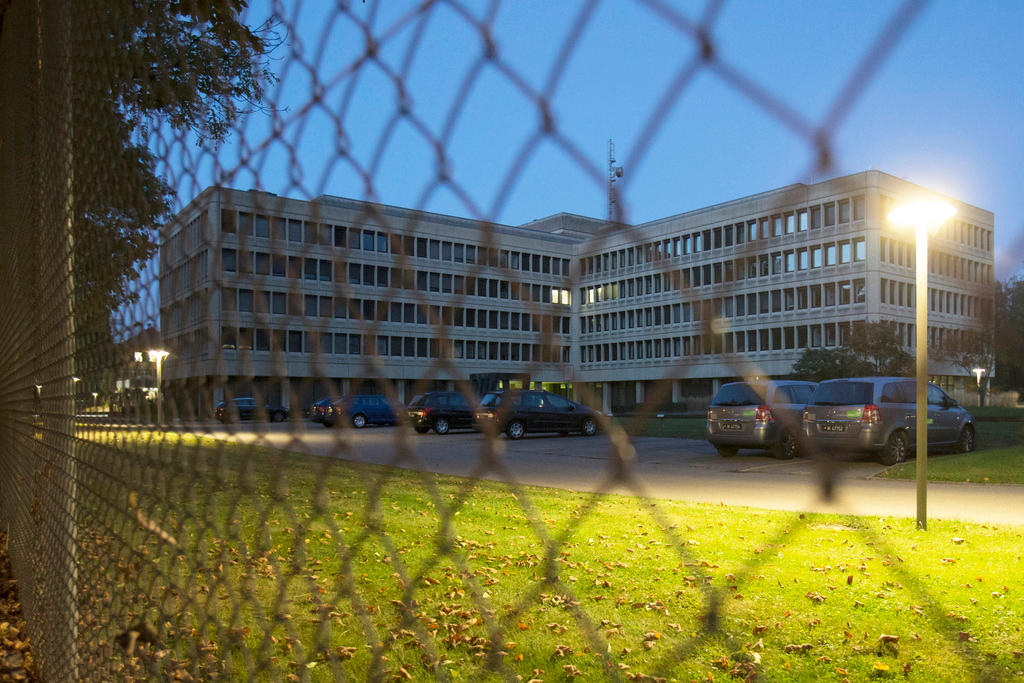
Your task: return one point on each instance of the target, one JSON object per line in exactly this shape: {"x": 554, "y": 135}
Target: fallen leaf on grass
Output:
{"x": 802, "y": 648}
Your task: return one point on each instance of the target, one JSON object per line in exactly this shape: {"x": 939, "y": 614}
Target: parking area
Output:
{"x": 669, "y": 468}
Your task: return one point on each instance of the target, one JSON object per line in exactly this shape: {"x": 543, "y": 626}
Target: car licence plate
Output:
{"x": 732, "y": 426}
{"x": 833, "y": 427}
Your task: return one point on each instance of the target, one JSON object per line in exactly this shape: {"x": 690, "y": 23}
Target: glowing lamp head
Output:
{"x": 157, "y": 355}
{"x": 927, "y": 214}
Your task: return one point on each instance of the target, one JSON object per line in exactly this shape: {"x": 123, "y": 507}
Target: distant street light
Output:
{"x": 925, "y": 217}
{"x": 978, "y": 372}
{"x": 157, "y": 356}
{"x": 95, "y": 395}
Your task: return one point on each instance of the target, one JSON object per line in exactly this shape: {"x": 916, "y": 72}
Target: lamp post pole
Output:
{"x": 921, "y": 412}
{"x": 157, "y": 356}
{"x": 923, "y": 216}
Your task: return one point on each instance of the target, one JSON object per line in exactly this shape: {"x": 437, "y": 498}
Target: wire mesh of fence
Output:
{"x": 173, "y": 341}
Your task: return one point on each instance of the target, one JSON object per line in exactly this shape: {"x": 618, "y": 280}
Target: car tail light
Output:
{"x": 763, "y": 414}
{"x": 871, "y": 415}
{"x": 426, "y": 410}
{"x": 709, "y": 414}
{"x": 806, "y": 414}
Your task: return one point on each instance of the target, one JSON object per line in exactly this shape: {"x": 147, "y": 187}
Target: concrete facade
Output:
{"x": 298, "y": 299}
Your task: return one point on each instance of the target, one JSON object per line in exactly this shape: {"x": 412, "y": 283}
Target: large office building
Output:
{"x": 298, "y": 299}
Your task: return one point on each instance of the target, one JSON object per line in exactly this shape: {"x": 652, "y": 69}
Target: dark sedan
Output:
{"x": 238, "y": 409}
{"x": 520, "y": 412}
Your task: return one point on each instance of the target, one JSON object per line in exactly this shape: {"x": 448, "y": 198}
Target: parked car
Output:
{"x": 877, "y": 415}
{"x": 520, "y": 412}
{"x": 246, "y": 408}
{"x": 765, "y": 415}
{"x": 441, "y": 411}
{"x": 361, "y": 410}
{"x": 318, "y": 411}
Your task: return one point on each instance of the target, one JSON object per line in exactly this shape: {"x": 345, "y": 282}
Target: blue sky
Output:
{"x": 943, "y": 109}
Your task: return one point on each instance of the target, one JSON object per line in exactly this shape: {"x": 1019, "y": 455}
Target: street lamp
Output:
{"x": 925, "y": 217}
{"x": 95, "y": 395}
{"x": 978, "y": 372}
{"x": 157, "y": 356}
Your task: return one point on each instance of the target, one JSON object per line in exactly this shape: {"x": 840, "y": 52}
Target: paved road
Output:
{"x": 663, "y": 468}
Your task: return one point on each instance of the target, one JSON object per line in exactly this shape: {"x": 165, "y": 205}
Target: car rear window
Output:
{"x": 416, "y": 401}
{"x": 737, "y": 395}
{"x": 843, "y": 393}
{"x": 796, "y": 393}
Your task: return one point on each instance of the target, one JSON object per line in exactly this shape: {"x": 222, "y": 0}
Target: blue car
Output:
{"x": 361, "y": 410}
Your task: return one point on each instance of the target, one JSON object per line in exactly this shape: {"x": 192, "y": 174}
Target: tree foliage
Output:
{"x": 821, "y": 364}
{"x": 1008, "y": 333}
{"x": 189, "y": 64}
{"x": 878, "y": 346}
{"x": 870, "y": 349}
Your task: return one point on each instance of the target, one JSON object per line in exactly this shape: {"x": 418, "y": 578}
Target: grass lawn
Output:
{"x": 312, "y": 568}
{"x": 677, "y": 427}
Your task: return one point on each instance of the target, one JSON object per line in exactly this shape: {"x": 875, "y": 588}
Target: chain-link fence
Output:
{"x": 176, "y": 511}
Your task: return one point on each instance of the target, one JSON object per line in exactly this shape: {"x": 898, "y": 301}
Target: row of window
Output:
{"x": 341, "y": 343}
{"x": 897, "y": 293}
{"x": 751, "y": 267}
{"x": 840, "y": 293}
{"x": 787, "y": 223}
{"x": 898, "y": 253}
{"x": 323, "y": 270}
{"x": 793, "y": 338}
{"x": 372, "y": 240}
{"x": 742, "y": 341}
{"x": 315, "y": 306}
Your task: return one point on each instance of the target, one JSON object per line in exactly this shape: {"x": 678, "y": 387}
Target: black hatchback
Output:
{"x": 441, "y": 411}
{"x": 519, "y": 412}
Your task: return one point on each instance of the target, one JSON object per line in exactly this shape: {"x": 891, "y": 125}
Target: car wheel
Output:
{"x": 895, "y": 449}
{"x": 277, "y": 416}
{"x": 358, "y": 420}
{"x": 589, "y": 427}
{"x": 515, "y": 430}
{"x": 441, "y": 426}
{"x": 787, "y": 448}
{"x": 965, "y": 444}
{"x": 726, "y": 451}
{"x": 421, "y": 429}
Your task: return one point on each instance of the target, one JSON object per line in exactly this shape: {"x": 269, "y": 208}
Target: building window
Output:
{"x": 227, "y": 221}
{"x": 245, "y": 300}
{"x": 859, "y": 291}
{"x": 229, "y": 260}
{"x": 844, "y": 293}
{"x": 844, "y": 211}
{"x": 830, "y": 293}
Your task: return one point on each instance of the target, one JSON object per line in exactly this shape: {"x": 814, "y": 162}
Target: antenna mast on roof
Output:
{"x": 614, "y": 172}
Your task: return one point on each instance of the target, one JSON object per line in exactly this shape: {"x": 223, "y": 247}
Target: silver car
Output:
{"x": 878, "y": 415}
{"x": 764, "y": 415}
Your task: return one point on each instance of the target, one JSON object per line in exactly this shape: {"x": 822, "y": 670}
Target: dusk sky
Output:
{"x": 943, "y": 109}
